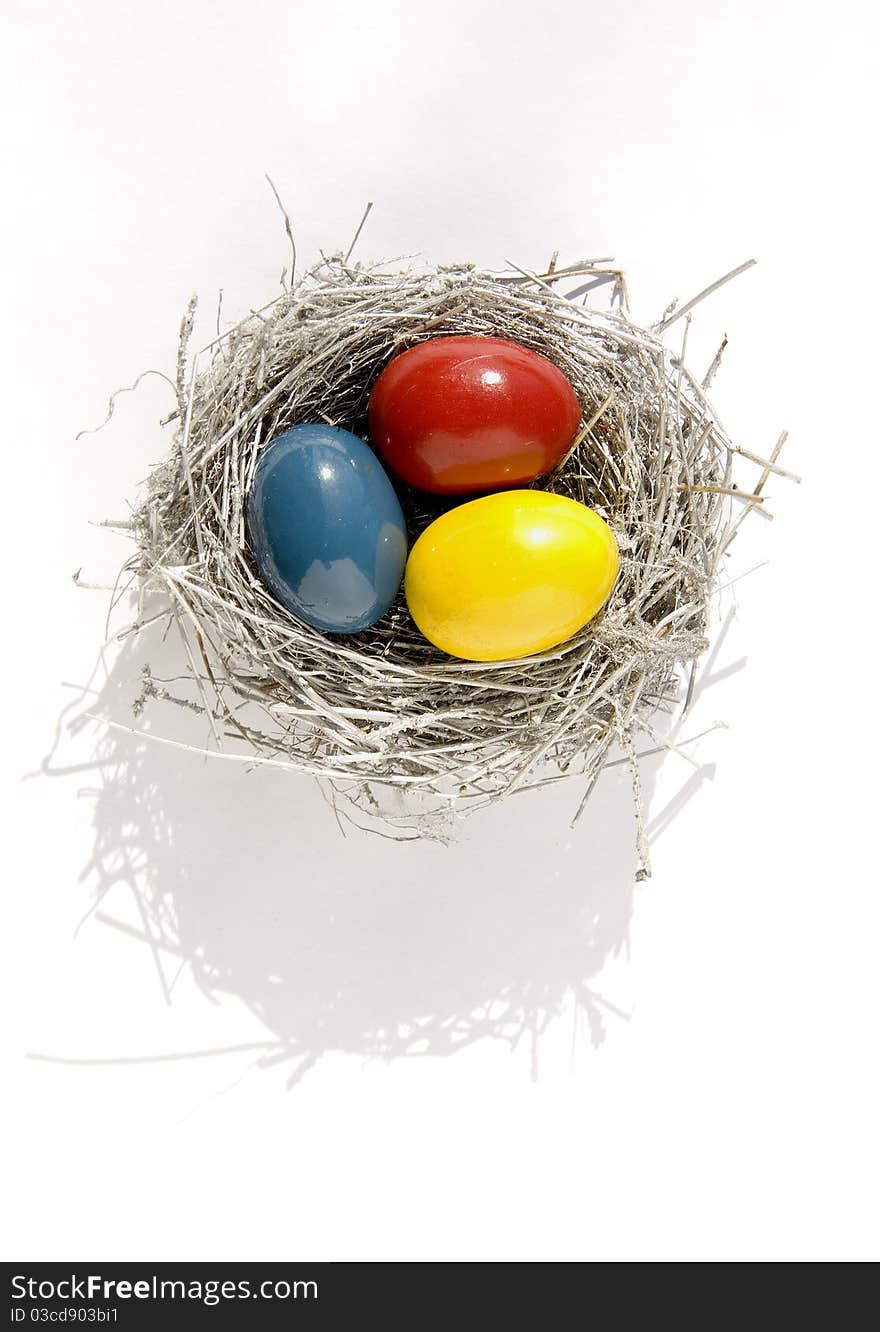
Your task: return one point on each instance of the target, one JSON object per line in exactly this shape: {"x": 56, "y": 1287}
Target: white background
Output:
{"x": 705, "y": 1086}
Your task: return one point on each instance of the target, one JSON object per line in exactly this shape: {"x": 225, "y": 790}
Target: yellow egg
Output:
{"x": 510, "y": 574}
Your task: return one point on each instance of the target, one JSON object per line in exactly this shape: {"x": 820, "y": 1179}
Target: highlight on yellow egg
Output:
{"x": 510, "y": 574}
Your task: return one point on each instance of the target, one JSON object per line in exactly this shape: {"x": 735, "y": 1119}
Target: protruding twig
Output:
{"x": 671, "y": 318}
{"x": 354, "y": 242}
{"x": 130, "y": 388}
{"x": 288, "y": 228}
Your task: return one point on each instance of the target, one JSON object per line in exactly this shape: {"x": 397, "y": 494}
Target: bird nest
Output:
{"x": 397, "y": 727}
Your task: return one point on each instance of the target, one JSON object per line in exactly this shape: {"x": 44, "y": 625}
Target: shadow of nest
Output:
{"x": 241, "y": 881}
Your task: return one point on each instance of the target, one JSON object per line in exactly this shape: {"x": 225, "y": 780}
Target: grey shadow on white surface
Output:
{"x": 352, "y": 943}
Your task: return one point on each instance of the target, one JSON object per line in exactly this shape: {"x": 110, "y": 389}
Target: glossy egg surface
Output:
{"x": 459, "y": 415}
{"x": 510, "y": 574}
{"x": 325, "y": 528}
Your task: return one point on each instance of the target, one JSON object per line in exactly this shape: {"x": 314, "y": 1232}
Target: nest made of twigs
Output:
{"x": 383, "y": 708}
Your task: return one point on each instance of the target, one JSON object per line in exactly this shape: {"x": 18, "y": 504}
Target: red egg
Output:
{"x": 459, "y": 415}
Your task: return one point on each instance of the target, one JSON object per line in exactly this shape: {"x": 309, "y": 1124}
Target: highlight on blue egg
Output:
{"x": 325, "y": 528}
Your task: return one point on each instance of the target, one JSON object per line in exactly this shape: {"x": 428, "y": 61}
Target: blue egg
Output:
{"x": 326, "y": 528}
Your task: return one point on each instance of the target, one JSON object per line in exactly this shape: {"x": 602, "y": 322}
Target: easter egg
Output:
{"x": 457, "y": 415}
{"x": 510, "y": 574}
{"x": 325, "y": 528}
